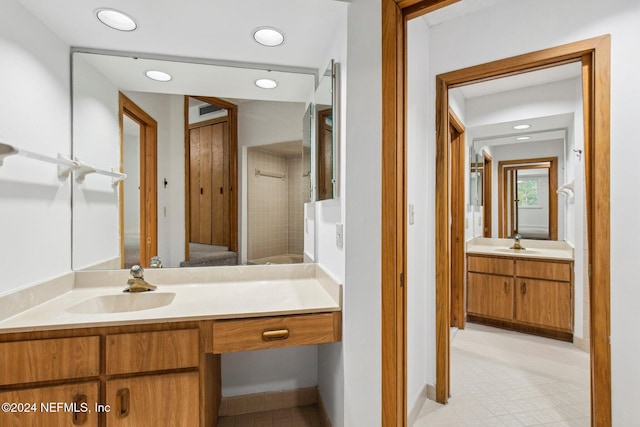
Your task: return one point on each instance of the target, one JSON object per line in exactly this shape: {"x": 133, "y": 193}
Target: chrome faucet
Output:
{"x": 137, "y": 282}
{"x": 516, "y": 242}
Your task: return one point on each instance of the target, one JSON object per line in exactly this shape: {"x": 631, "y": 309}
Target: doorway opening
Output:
{"x": 528, "y": 200}
{"x": 138, "y": 194}
{"x": 594, "y": 57}
{"x": 211, "y": 224}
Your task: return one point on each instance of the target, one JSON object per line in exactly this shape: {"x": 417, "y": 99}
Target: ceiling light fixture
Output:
{"x": 268, "y": 36}
{"x": 116, "y": 19}
{"x": 266, "y": 83}
{"x": 523, "y": 138}
{"x": 521, "y": 127}
{"x": 159, "y": 76}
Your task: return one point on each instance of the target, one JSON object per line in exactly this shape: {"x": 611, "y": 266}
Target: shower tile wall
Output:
{"x": 296, "y": 206}
{"x": 275, "y": 205}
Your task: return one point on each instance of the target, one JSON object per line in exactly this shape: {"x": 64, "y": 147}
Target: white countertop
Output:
{"x": 260, "y": 293}
{"x": 545, "y": 249}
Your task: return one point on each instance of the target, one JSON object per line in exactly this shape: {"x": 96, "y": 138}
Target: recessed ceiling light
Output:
{"x": 523, "y": 138}
{"x": 159, "y": 76}
{"x": 266, "y": 83}
{"x": 116, "y": 19}
{"x": 521, "y": 127}
{"x": 268, "y": 36}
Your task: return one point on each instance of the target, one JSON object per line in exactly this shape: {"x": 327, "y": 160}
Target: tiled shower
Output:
{"x": 275, "y": 201}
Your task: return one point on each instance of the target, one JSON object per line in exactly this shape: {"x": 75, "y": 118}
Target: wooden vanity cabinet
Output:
{"x": 534, "y": 296}
{"x": 152, "y": 375}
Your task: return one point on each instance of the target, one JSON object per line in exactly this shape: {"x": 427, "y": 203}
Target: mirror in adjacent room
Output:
{"x": 307, "y": 136}
{"x": 325, "y": 133}
{"x": 522, "y": 131}
{"x": 188, "y": 129}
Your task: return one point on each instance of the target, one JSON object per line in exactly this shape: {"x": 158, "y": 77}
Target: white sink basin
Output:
{"x": 516, "y": 251}
{"x": 123, "y": 302}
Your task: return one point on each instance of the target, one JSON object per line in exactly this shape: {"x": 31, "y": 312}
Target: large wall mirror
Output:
{"x": 214, "y": 163}
{"x": 522, "y": 134}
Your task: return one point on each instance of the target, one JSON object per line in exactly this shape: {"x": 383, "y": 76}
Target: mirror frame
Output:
{"x": 332, "y": 72}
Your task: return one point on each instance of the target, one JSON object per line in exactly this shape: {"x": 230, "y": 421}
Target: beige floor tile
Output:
{"x": 504, "y": 378}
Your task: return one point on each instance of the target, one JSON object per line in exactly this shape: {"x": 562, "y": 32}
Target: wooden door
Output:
{"x": 544, "y": 303}
{"x": 169, "y": 400}
{"x": 490, "y": 296}
{"x": 209, "y": 177}
{"x": 39, "y": 406}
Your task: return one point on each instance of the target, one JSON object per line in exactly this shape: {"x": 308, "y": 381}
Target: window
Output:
{"x": 528, "y": 192}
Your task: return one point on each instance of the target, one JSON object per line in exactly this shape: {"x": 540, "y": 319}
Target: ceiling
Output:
{"x": 212, "y": 29}
{"x": 456, "y": 10}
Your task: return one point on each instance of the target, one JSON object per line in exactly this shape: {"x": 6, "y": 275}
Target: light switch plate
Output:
{"x": 339, "y": 235}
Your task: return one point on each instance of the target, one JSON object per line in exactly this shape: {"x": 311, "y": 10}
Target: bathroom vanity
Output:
{"x": 528, "y": 290}
{"x": 155, "y": 366}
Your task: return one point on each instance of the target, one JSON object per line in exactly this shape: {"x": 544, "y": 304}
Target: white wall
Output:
{"x": 361, "y": 345}
{"x": 323, "y": 217}
{"x": 35, "y": 114}
{"x": 420, "y": 248}
{"x": 96, "y": 140}
{"x": 499, "y": 32}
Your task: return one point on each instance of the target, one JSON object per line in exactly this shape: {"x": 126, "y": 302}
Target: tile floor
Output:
{"x": 504, "y": 378}
{"x": 302, "y": 416}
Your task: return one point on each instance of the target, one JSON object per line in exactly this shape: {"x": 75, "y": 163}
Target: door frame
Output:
{"x": 148, "y": 179}
{"x": 232, "y": 114}
{"x": 503, "y": 199}
{"x": 594, "y": 55}
{"x": 457, "y": 149}
{"x": 487, "y": 193}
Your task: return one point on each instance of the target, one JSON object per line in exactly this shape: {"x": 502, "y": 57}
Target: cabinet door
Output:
{"x": 490, "y": 296}
{"x": 544, "y": 303}
{"x": 168, "y": 400}
{"x": 59, "y": 406}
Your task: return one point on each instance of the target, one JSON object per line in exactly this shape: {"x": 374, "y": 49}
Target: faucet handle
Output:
{"x": 155, "y": 262}
{"x": 517, "y": 237}
{"x": 137, "y": 272}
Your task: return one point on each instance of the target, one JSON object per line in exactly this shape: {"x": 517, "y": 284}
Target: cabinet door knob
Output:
{"x": 79, "y": 414}
{"x": 122, "y": 401}
{"x": 523, "y": 288}
{"x": 506, "y": 286}
{"x": 278, "y": 334}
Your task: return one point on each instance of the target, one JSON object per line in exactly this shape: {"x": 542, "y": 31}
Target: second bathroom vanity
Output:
{"x": 529, "y": 290}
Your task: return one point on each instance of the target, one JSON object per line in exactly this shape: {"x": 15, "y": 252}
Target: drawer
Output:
{"x": 50, "y": 359}
{"x": 481, "y": 264}
{"x": 544, "y": 270}
{"x": 152, "y": 351}
{"x": 46, "y": 412}
{"x": 278, "y": 331}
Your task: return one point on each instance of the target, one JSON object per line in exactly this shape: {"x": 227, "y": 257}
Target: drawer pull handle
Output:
{"x": 80, "y": 402}
{"x": 278, "y": 334}
{"x": 122, "y": 398}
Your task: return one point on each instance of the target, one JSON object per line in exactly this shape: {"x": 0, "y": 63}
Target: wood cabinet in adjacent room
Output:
{"x": 534, "y": 296}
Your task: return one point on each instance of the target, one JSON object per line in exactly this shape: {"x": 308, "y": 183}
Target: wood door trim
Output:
{"x": 506, "y": 165}
{"x": 457, "y": 290}
{"x": 232, "y": 118}
{"x": 393, "y": 210}
{"x": 595, "y": 56}
{"x": 148, "y": 179}
{"x": 487, "y": 189}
